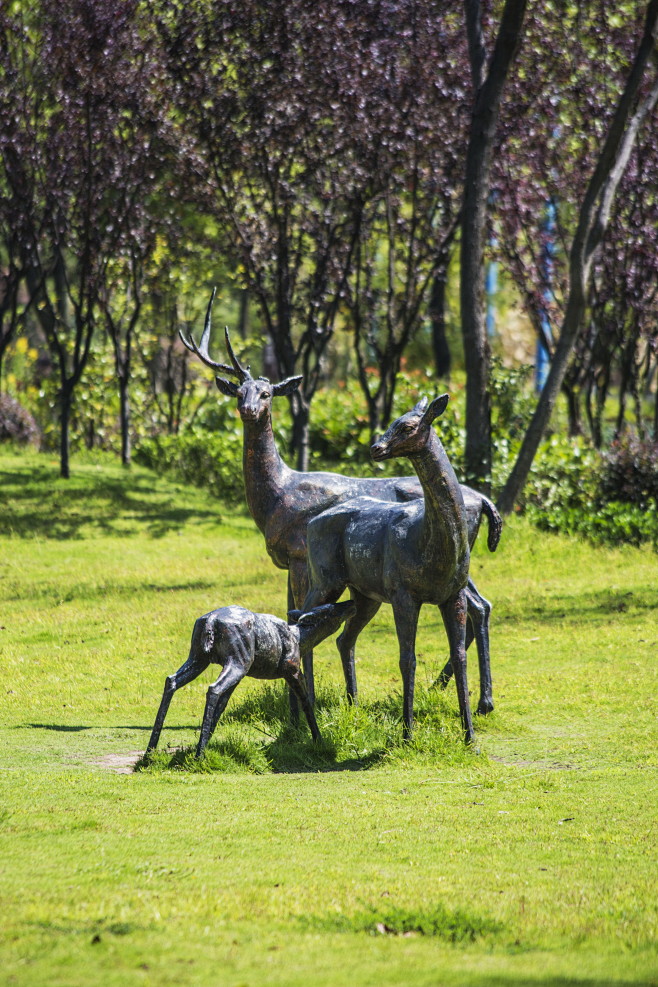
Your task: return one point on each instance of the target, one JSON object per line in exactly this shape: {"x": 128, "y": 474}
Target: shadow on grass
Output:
{"x": 595, "y": 607}
{"x": 256, "y": 736}
{"x": 63, "y": 508}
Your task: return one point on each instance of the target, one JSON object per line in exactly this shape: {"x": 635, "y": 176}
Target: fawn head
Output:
{"x": 409, "y": 433}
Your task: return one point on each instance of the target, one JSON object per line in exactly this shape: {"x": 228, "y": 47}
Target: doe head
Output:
{"x": 410, "y": 432}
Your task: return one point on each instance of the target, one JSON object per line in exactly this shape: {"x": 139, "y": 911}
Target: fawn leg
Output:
{"x": 365, "y": 611}
{"x": 218, "y": 695}
{"x": 405, "y": 612}
{"x": 453, "y": 612}
{"x": 295, "y": 680}
{"x": 186, "y": 673}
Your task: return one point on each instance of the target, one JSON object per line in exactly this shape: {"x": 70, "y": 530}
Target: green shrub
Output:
{"x": 209, "y": 460}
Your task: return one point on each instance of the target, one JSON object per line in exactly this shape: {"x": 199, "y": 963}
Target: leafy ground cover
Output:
{"x": 528, "y": 860}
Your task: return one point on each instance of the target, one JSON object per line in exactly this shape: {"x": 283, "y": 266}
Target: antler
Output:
{"x": 242, "y": 373}
{"x": 202, "y": 349}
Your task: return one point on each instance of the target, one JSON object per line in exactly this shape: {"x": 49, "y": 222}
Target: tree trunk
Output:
{"x": 64, "y": 440}
{"x": 573, "y": 407}
{"x": 300, "y": 433}
{"x": 488, "y": 94}
{"x": 437, "y": 312}
{"x": 124, "y": 418}
{"x": 592, "y": 223}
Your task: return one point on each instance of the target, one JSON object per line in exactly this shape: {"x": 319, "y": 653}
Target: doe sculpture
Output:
{"x": 282, "y": 501}
{"x": 247, "y": 643}
{"x": 402, "y": 554}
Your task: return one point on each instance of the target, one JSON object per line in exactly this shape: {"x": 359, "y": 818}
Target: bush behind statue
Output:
{"x": 609, "y": 498}
{"x": 17, "y": 424}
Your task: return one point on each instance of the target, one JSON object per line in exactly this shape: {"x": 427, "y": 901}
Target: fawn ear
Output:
{"x": 227, "y": 387}
{"x": 436, "y": 408}
{"x": 286, "y": 386}
{"x": 294, "y": 615}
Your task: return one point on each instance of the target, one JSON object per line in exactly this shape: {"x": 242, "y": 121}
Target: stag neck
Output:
{"x": 263, "y": 469}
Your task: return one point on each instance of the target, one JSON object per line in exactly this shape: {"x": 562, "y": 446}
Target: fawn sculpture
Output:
{"x": 282, "y": 501}
{"x": 402, "y": 554}
{"x": 247, "y": 643}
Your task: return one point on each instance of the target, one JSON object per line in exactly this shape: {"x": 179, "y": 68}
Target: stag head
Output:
{"x": 409, "y": 433}
{"x": 254, "y": 394}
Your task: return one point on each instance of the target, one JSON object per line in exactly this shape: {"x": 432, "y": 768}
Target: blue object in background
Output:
{"x": 542, "y": 359}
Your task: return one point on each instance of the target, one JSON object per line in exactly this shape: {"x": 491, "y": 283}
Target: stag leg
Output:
{"x": 292, "y": 698}
{"x": 298, "y": 582}
{"x": 185, "y": 674}
{"x": 218, "y": 695}
{"x": 479, "y": 610}
{"x": 365, "y": 611}
{"x": 405, "y": 612}
{"x": 295, "y": 680}
{"x": 454, "y": 619}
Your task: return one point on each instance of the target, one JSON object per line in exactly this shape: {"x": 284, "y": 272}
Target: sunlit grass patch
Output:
{"x": 434, "y": 921}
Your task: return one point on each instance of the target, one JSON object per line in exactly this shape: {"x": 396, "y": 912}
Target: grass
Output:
{"x": 529, "y": 860}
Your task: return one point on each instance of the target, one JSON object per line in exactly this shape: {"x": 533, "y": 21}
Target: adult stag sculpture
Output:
{"x": 247, "y": 643}
{"x": 402, "y": 554}
{"x": 282, "y": 501}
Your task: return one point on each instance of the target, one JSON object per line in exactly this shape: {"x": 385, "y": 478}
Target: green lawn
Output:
{"x": 530, "y": 860}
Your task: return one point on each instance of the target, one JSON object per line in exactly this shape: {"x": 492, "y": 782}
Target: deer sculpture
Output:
{"x": 247, "y": 643}
{"x": 282, "y": 501}
{"x": 402, "y": 554}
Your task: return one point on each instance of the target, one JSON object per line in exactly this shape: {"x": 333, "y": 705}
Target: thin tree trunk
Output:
{"x": 592, "y": 224}
{"x": 437, "y": 312}
{"x": 300, "y": 434}
{"x": 124, "y": 418}
{"x": 488, "y": 94}
{"x": 64, "y": 436}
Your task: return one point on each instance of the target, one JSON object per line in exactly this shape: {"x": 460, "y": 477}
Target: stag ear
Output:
{"x": 287, "y": 386}
{"x": 227, "y": 387}
{"x": 436, "y": 408}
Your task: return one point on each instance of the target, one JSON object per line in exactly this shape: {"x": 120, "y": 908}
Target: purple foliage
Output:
{"x": 16, "y": 423}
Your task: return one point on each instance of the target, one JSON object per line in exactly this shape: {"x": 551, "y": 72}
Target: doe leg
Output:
{"x": 477, "y": 627}
{"x": 365, "y": 611}
{"x": 446, "y": 673}
{"x": 185, "y": 674}
{"x": 405, "y": 613}
{"x": 218, "y": 695}
{"x": 454, "y": 619}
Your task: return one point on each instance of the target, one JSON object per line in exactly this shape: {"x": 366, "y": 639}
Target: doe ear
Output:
{"x": 287, "y": 386}
{"x": 227, "y": 387}
{"x": 436, "y": 408}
